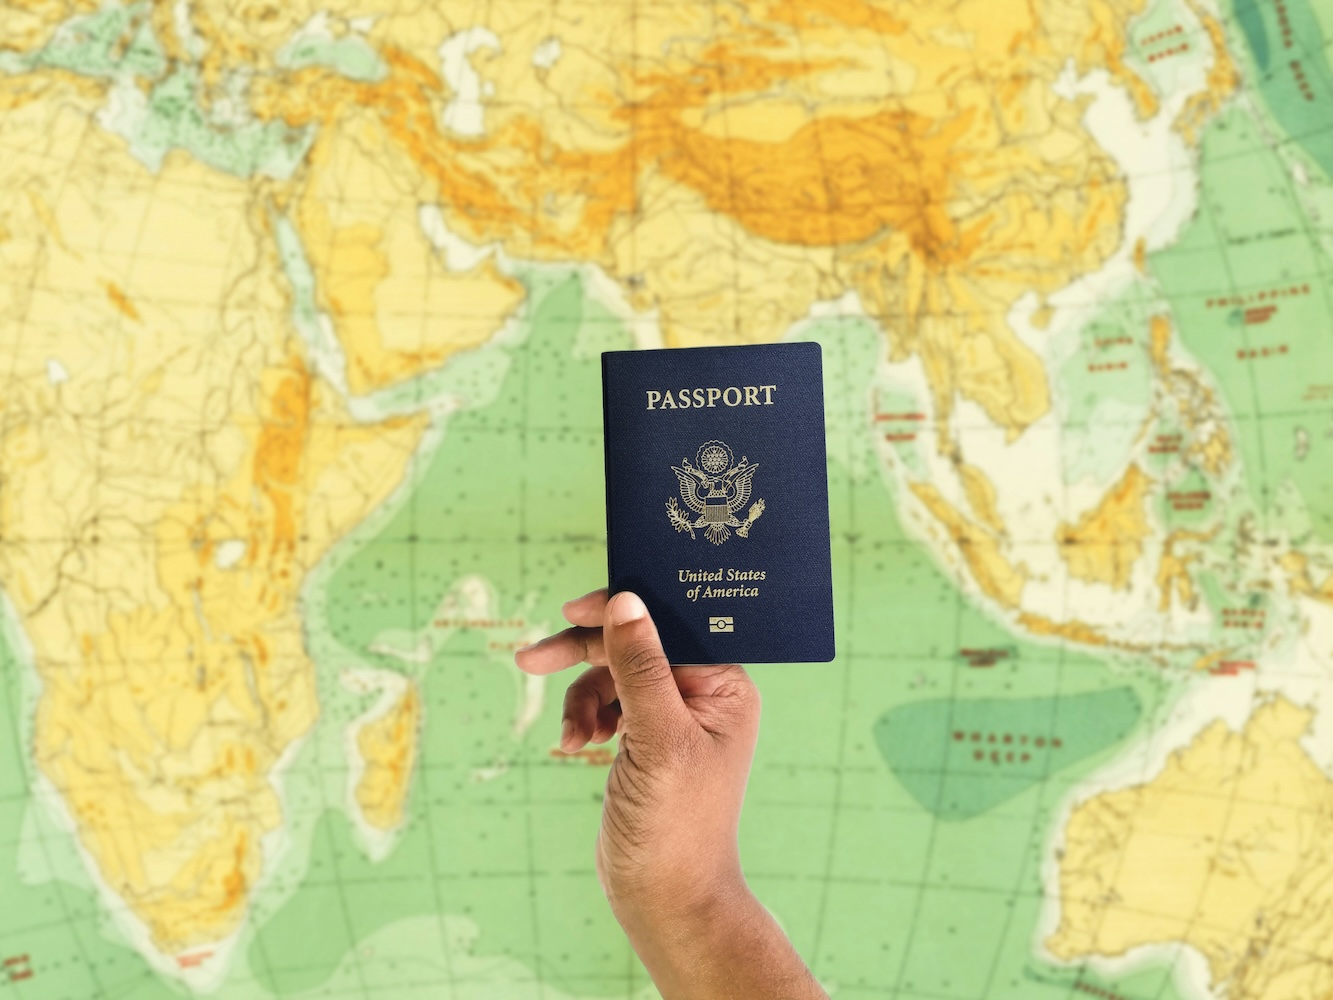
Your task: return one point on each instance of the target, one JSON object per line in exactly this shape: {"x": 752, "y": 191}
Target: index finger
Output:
{"x": 564, "y": 649}
{"x": 586, "y": 610}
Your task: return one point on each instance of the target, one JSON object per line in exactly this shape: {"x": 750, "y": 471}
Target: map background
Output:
{"x": 513, "y": 855}
{"x": 883, "y": 895}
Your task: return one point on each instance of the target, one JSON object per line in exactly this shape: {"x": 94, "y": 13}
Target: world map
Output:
{"x": 301, "y": 311}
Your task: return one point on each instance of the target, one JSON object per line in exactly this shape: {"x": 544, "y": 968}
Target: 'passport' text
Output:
{"x": 732, "y": 395}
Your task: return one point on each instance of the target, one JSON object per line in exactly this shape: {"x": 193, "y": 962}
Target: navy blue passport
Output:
{"x": 717, "y": 499}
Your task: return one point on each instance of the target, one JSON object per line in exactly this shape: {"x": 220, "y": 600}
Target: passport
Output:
{"x": 717, "y": 499}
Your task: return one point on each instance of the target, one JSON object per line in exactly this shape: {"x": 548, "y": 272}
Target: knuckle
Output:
{"x": 575, "y": 695}
{"x": 583, "y": 640}
{"x": 738, "y": 691}
{"x": 741, "y": 688}
{"x": 641, "y": 659}
{"x": 582, "y": 691}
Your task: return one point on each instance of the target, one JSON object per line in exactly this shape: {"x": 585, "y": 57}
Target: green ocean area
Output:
{"x": 1249, "y": 293}
{"x": 1105, "y": 388}
{"x": 878, "y": 891}
{"x": 351, "y": 56}
{"x": 833, "y": 841}
{"x": 157, "y": 105}
{"x": 960, "y": 759}
{"x": 1289, "y": 47}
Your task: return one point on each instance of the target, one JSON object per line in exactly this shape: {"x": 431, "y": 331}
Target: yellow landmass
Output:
{"x": 1173, "y": 572}
{"x": 1228, "y": 850}
{"x": 1210, "y": 442}
{"x": 1297, "y": 567}
{"x": 395, "y": 306}
{"x": 173, "y": 681}
{"x": 1223, "y": 80}
{"x": 163, "y": 20}
{"x": 1213, "y": 452}
{"x": 1103, "y": 545}
{"x": 981, "y": 495}
{"x": 1211, "y": 659}
{"x": 792, "y": 149}
{"x": 731, "y": 166}
{"x": 42, "y": 212}
{"x": 388, "y": 746}
{"x": 1159, "y": 329}
{"x": 997, "y": 578}
{"x": 729, "y": 287}
{"x": 247, "y": 34}
{"x": 29, "y": 24}
{"x": 122, "y": 303}
{"x": 1074, "y": 630}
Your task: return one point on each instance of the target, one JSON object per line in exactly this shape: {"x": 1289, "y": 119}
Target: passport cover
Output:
{"x": 717, "y": 499}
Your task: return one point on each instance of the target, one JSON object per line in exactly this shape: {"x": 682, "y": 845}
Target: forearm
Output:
{"x": 728, "y": 947}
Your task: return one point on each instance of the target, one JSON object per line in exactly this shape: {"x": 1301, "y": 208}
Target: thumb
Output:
{"x": 644, "y": 684}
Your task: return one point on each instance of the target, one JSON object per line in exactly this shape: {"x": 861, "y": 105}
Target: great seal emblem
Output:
{"x": 715, "y": 488}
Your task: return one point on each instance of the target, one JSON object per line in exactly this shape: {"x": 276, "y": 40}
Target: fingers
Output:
{"x": 631, "y": 680}
{"x": 648, "y": 694}
{"x": 586, "y": 610}
{"x": 591, "y": 713}
{"x": 582, "y": 643}
{"x": 564, "y": 649}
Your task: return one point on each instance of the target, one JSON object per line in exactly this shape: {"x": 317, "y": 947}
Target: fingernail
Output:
{"x": 566, "y": 731}
{"x": 531, "y": 645}
{"x": 627, "y": 607}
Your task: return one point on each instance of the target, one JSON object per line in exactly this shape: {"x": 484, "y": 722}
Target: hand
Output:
{"x": 666, "y": 853}
{"x": 673, "y": 797}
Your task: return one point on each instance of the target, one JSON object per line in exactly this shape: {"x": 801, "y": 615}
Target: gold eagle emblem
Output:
{"x": 715, "y": 489}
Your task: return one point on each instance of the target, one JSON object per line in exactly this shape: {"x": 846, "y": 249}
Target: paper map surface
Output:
{"x": 301, "y": 307}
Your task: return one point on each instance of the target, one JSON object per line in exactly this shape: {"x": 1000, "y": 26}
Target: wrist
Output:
{"x": 683, "y": 923}
{"x": 678, "y": 913}
{"x": 722, "y": 944}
